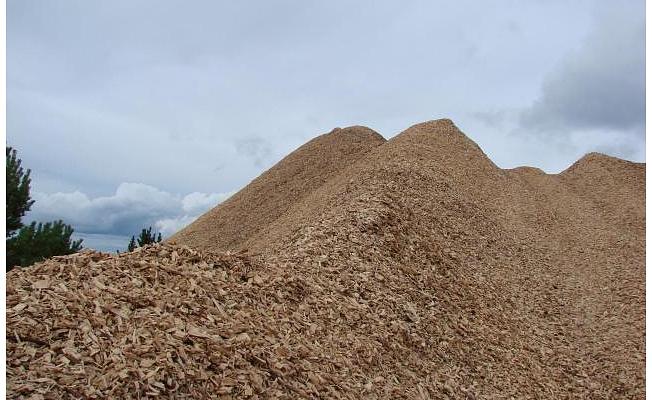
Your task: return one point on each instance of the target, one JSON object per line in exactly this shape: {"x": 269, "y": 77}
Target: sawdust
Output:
{"x": 414, "y": 269}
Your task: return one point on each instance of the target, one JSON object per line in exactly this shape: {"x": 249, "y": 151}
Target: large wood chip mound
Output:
{"x": 359, "y": 268}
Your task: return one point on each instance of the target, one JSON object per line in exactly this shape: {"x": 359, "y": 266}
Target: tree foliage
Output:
{"x": 132, "y": 244}
{"x": 18, "y": 199}
{"x": 146, "y": 237}
{"x": 36, "y": 242}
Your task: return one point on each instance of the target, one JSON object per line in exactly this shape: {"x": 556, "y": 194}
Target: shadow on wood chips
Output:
{"x": 359, "y": 268}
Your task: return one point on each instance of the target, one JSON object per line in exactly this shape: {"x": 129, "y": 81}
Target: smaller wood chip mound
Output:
{"x": 248, "y": 214}
{"x": 94, "y": 325}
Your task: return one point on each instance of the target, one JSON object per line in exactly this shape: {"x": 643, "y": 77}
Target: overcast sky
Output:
{"x": 135, "y": 113}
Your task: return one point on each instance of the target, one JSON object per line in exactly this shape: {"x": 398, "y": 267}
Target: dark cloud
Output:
{"x": 601, "y": 86}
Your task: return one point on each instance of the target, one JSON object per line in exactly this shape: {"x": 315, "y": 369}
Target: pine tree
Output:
{"x": 146, "y": 237}
{"x": 35, "y": 243}
{"x": 18, "y": 199}
{"x": 132, "y": 244}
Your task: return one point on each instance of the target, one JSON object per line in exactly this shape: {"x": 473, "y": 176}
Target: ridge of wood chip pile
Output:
{"x": 415, "y": 269}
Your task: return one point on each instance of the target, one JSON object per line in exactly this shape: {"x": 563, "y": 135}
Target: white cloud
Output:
{"x": 132, "y": 207}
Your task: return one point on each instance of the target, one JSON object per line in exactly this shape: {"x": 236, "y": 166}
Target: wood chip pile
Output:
{"x": 414, "y": 269}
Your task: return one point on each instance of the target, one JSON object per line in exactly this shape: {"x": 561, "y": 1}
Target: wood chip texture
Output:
{"x": 411, "y": 268}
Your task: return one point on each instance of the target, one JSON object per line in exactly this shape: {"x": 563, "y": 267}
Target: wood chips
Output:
{"x": 411, "y": 268}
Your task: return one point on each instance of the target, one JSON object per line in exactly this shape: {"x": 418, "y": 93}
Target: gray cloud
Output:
{"x": 601, "y": 86}
{"x": 591, "y": 98}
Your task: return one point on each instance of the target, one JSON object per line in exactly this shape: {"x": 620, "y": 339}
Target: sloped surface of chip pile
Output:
{"x": 420, "y": 270}
{"x": 241, "y": 218}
